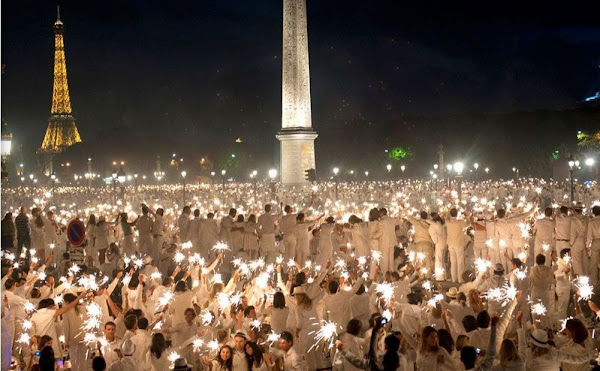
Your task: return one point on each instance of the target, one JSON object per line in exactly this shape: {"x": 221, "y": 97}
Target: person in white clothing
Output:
{"x": 456, "y": 244}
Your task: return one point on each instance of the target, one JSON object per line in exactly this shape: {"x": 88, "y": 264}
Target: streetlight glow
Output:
{"x": 272, "y": 173}
{"x": 458, "y": 167}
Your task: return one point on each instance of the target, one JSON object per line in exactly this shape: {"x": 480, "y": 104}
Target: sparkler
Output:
{"x": 586, "y": 291}
{"x": 220, "y": 246}
{"x": 279, "y": 260}
{"x": 206, "y": 317}
{"x": 376, "y": 255}
{"x": 386, "y": 290}
{"x": 173, "y": 356}
{"x": 482, "y": 265}
{"x": 164, "y": 300}
{"x": 197, "y": 344}
{"x": 427, "y": 285}
{"x": 29, "y": 307}
{"x": 213, "y": 345}
{"x": 178, "y": 257}
{"x": 436, "y": 299}
{"x": 325, "y": 335}
{"x": 186, "y": 245}
{"x": 538, "y": 309}
{"x": 24, "y": 338}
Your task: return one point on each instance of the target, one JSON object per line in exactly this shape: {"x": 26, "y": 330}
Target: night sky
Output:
{"x": 194, "y": 75}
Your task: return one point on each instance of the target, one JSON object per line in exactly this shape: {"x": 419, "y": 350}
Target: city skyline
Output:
{"x": 370, "y": 69}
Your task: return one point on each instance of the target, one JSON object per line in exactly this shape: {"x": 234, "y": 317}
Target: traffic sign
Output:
{"x": 76, "y": 232}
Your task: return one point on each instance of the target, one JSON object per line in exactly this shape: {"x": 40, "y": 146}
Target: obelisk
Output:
{"x": 296, "y": 136}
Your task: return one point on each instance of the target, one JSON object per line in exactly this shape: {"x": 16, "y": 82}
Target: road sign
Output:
{"x": 76, "y": 232}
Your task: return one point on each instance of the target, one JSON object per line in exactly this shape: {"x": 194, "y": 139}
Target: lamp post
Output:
{"x": 272, "y": 176}
{"x": 449, "y": 168}
{"x": 573, "y": 164}
{"x": 590, "y": 162}
{"x": 366, "y": 174}
{"x": 476, "y": 166}
{"x": 183, "y": 174}
{"x": 122, "y": 177}
{"x": 135, "y": 180}
{"x": 89, "y": 173}
{"x": 458, "y": 167}
{"x": 487, "y": 171}
{"x": 53, "y": 178}
{"x": 402, "y": 168}
{"x": 335, "y": 173}
{"x": 223, "y": 172}
{"x": 114, "y": 182}
{"x": 515, "y": 173}
{"x": 5, "y": 150}
{"x": 389, "y": 170}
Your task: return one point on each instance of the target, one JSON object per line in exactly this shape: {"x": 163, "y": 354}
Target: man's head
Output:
{"x": 423, "y": 215}
{"x": 453, "y": 212}
{"x": 516, "y": 263}
{"x": 548, "y": 212}
{"x": 564, "y": 210}
{"x": 286, "y": 341}
{"x": 501, "y": 213}
{"x": 239, "y": 341}
{"x": 540, "y": 259}
{"x": 267, "y": 208}
{"x": 142, "y": 323}
{"x": 130, "y": 322}
{"x": 596, "y": 210}
{"x": 10, "y": 285}
{"x": 232, "y": 212}
{"x": 196, "y": 213}
{"x": 23, "y": 209}
{"x": 145, "y": 210}
{"x": 483, "y": 319}
{"x": 333, "y": 286}
{"x": 382, "y": 211}
{"x": 250, "y": 312}
{"x": 187, "y": 210}
{"x": 468, "y": 355}
{"x": 109, "y": 330}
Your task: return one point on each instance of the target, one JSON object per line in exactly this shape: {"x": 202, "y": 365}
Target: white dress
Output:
{"x": 45, "y": 324}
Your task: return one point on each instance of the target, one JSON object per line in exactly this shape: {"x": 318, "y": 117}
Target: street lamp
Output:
{"x": 459, "y": 167}
{"x": 402, "y": 168}
{"x": 272, "y": 176}
{"x": 5, "y": 151}
{"x": 135, "y": 178}
{"x": 183, "y": 174}
{"x": 366, "y": 173}
{"x": 389, "y": 167}
{"x": 53, "y": 177}
{"x": 515, "y": 173}
{"x": 223, "y": 172}
{"x": 114, "y": 182}
{"x": 335, "y": 173}
{"x": 476, "y": 166}
{"x": 253, "y": 177}
{"x": 122, "y": 177}
{"x": 591, "y": 162}
{"x": 572, "y": 165}
{"x": 449, "y": 168}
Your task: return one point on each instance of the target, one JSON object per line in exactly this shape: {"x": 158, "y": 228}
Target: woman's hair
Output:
{"x": 508, "y": 352}
{"x": 45, "y": 303}
{"x": 91, "y": 220}
{"x": 39, "y": 222}
{"x": 45, "y": 339}
{"x": 256, "y": 357}
{"x": 446, "y": 340}
{"x": 353, "y": 327}
{"x": 240, "y": 218}
{"x": 278, "y": 300}
{"x": 98, "y": 364}
{"x": 578, "y": 329}
{"x": 181, "y": 286}
{"x": 252, "y": 218}
{"x": 373, "y": 214}
{"x": 391, "y": 361}
{"x": 229, "y": 363}
{"x": 215, "y": 289}
{"x": 427, "y": 330}
{"x": 462, "y": 299}
{"x": 47, "y": 359}
{"x": 69, "y": 298}
{"x": 158, "y": 345}
{"x": 461, "y": 341}
{"x": 305, "y": 301}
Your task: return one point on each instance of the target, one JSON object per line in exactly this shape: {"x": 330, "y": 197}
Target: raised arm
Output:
{"x": 65, "y": 308}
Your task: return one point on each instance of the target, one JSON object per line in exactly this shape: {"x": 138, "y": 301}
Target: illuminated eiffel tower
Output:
{"x": 62, "y": 131}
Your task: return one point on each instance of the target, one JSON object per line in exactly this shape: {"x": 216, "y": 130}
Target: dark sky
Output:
{"x": 200, "y": 72}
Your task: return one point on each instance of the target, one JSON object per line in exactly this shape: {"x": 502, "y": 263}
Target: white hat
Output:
{"x": 147, "y": 259}
{"x": 452, "y": 292}
{"x": 180, "y": 364}
{"x": 128, "y": 347}
{"x": 299, "y": 290}
{"x": 539, "y": 338}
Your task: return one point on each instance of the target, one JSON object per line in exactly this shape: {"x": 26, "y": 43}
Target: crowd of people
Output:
{"x": 405, "y": 275}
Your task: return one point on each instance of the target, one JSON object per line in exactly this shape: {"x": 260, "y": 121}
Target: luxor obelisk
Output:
{"x": 296, "y": 136}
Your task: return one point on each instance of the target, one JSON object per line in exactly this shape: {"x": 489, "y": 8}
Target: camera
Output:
{"x": 383, "y": 320}
{"x": 38, "y": 353}
{"x": 478, "y": 350}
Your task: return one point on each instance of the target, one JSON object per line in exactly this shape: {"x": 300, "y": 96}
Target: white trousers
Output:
{"x": 457, "y": 262}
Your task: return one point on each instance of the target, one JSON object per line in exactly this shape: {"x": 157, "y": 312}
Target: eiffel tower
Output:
{"x": 62, "y": 131}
